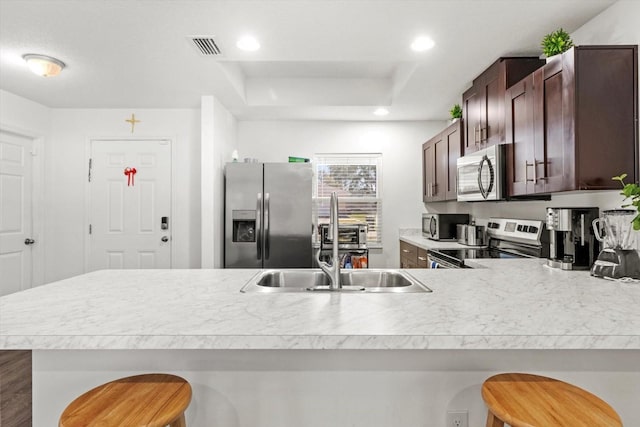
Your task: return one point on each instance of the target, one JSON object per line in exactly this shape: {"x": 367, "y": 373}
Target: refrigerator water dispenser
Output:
{"x": 244, "y": 225}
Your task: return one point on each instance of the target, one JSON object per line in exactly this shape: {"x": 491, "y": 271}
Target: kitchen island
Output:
{"x": 373, "y": 359}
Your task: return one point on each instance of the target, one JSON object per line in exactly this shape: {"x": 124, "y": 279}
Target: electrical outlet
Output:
{"x": 458, "y": 419}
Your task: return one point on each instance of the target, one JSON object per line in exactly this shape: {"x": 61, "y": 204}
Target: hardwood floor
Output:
{"x": 15, "y": 388}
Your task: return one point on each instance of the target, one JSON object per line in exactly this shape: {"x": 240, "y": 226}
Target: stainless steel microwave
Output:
{"x": 442, "y": 226}
{"x": 481, "y": 175}
{"x": 352, "y": 236}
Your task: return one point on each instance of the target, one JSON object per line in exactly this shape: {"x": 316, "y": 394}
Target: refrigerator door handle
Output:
{"x": 258, "y": 225}
{"x": 266, "y": 226}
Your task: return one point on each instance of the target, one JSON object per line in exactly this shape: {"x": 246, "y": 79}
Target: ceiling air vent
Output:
{"x": 206, "y": 45}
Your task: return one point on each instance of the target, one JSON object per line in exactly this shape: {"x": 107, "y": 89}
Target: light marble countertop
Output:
{"x": 414, "y": 237}
{"x": 504, "y": 304}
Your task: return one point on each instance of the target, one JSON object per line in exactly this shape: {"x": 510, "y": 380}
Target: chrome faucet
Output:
{"x": 333, "y": 270}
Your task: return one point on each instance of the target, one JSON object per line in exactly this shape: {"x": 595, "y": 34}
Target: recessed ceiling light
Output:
{"x": 248, "y": 43}
{"x": 43, "y": 65}
{"x": 381, "y": 111}
{"x": 422, "y": 43}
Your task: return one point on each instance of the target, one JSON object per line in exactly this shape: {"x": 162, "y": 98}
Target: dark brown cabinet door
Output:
{"x": 423, "y": 261}
{"x": 439, "y": 159}
{"x": 440, "y": 164}
{"x": 428, "y": 159}
{"x": 606, "y": 115}
{"x": 453, "y": 140}
{"x": 492, "y": 108}
{"x": 471, "y": 113}
{"x": 432, "y": 170}
{"x": 408, "y": 255}
{"x": 553, "y": 153}
{"x": 519, "y": 137}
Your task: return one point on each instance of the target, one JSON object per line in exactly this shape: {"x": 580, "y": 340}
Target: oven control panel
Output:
{"x": 523, "y": 230}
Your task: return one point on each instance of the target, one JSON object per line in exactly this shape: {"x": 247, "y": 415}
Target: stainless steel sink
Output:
{"x": 314, "y": 280}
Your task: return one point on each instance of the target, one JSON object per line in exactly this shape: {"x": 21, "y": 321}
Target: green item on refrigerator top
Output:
{"x": 298, "y": 160}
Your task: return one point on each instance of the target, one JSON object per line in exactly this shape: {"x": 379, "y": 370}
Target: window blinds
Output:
{"x": 356, "y": 179}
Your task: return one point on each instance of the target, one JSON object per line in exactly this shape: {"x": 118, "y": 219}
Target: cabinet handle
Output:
{"x": 406, "y": 251}
{"x": 475, "y": 135}
{"x": 421, "y": 258}
{"x": 535, "y": 170}
{"x": 536, "y": 174}
{"x": 526, "y": 171}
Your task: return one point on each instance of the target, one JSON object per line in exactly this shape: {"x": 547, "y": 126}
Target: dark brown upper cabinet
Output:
{"x": 439, "y": 159}
{"x": 483, "y": 104}
{"x": 572, "y": 124}
{"x": 432, "y": 172}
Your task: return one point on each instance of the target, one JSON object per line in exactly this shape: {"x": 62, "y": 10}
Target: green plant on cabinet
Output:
{"x": 556, "y": 42}
{"x": 456, "y": 112}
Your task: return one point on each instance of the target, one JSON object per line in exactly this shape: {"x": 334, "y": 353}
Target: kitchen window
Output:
{"x": 356, "y": 178}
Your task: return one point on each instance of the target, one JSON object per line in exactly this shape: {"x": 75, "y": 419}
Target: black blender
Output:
{"x": 619, "y": 258}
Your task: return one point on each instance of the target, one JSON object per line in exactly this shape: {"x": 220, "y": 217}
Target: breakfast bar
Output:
{"x": 435, "y": 346}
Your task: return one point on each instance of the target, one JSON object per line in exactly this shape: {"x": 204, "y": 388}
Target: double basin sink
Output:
{"x": 353, "y": 281}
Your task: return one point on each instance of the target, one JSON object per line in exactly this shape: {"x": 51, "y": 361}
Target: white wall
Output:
{"x": 618, "y": 24}
{"x": 24, "y": 116}
{"x": 218, "y": 140}
{"x": 72, "y": 130}
{"x": 399, "y": 142}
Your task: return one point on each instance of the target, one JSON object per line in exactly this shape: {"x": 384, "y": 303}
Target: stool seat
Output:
{"x": 524, "y": 400}
{"x": 150, "y": 400}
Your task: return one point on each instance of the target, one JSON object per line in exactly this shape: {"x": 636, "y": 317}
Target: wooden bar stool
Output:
{"x": 524, "y": 400}
{"x": 151, "y": 400}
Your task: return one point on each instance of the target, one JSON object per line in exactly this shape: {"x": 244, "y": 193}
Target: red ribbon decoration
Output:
{"x": 130, "y": 172}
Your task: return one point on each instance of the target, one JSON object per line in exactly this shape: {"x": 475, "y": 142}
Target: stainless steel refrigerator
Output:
{"x": 268, "y": 220}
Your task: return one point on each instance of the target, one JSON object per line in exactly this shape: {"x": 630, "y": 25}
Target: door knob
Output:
{"x": 165, "y": 239}
{"x": 29, "y": 241}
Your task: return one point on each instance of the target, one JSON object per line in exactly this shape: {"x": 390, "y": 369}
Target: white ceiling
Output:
{"x": 320, "y": 59}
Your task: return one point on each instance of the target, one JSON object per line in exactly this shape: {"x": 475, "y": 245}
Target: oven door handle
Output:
{"x": 438, "y": 262}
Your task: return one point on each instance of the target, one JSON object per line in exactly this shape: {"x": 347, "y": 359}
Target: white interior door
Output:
{"x": 16, "y": 240}
{"x": 130, "y": 215}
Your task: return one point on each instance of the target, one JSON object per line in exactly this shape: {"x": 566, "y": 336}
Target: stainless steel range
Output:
{"x": 508, "y": 238}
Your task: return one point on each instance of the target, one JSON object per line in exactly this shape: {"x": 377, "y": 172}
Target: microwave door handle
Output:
{"x": 480, "y": 186}
{"x": 492, "y": 175}
{"x": 485, "y": 191}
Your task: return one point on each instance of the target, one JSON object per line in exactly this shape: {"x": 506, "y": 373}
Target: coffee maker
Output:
{"x": 572, "y": 243}
{"x": 619, "y": 258}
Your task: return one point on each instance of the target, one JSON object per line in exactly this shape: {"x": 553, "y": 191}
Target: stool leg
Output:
{"x": 493, "y": 421}
{"x": 179, "y": 422}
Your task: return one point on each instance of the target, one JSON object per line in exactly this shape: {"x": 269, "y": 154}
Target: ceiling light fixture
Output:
{"x": 248, "y": 43}
{"x": 381, "y": 111}
{"x": 43, "y": 65}
{"x": 422, "y": 43}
